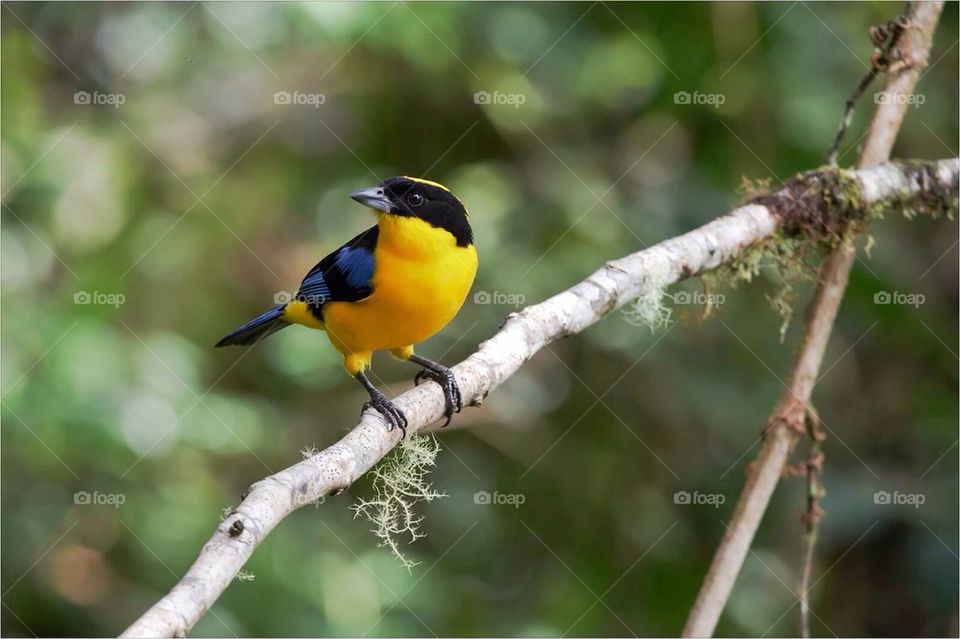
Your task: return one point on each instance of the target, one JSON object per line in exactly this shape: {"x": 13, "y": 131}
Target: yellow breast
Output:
{"x": 421, "y": 279}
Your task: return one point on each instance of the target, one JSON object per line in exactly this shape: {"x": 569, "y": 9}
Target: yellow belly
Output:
{"x": 421, "y": 279}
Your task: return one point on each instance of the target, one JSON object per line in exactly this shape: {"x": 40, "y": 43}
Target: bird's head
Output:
{"x": 429, "y": 201}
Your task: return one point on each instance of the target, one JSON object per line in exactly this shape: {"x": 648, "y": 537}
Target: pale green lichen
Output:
{"x": 648, "y": 309}
{"x": 824, "y": 210}
{"x": 788, "y": 260}
{"x": 399, "y": 484}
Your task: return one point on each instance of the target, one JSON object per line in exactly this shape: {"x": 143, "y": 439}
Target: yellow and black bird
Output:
{"x": 393, "y": 286}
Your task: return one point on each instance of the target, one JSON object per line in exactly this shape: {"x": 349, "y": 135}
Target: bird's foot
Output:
{"x": 394, "y": 416}
{"x": 451, "y": 390}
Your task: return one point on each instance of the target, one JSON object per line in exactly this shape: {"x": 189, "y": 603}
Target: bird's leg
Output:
{"x": 380, "y": 403}
{"x": 448, "y": 382}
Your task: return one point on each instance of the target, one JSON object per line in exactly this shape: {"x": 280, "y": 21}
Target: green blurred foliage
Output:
{"x": 200, "y": 197}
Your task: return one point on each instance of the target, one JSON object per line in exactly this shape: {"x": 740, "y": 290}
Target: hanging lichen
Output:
{"x": 648, "y": 309}
{"x": 399, "y": 484}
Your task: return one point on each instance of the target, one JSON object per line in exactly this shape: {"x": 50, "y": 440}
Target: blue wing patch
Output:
{"x": 314, "y": 290}
{"x": 343, "y": 276}
{"x": 356, "y": 264}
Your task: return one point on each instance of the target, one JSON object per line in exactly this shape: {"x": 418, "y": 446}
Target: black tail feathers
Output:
{"x": 256, "y": 329}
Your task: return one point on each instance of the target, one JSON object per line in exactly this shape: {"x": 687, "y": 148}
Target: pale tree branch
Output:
{"x": 524, "y": 333}
{"x": 785, "y": 425}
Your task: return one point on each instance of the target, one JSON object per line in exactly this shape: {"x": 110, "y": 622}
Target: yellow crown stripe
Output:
{"x": 427, "y": 182}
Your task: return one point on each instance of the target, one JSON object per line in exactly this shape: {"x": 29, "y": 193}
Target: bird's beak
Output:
{"x": 373, "y": 197}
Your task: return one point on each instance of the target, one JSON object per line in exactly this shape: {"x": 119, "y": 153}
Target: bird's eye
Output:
{"x": 415, "y": 199}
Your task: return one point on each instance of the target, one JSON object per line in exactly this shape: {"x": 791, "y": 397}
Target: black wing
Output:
{"x": 343, "y": 276}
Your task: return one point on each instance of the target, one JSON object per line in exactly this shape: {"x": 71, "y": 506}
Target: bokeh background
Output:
{"x": 157, "y": 192}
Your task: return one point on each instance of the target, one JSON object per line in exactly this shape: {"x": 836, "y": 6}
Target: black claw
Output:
{"x": 422, "y": 375}
{"x": 379, "y": 402}
{"x": 451, "y": 390}
{"x": 390, "y": 412}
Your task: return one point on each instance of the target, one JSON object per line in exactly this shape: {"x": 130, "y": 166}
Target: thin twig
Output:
{"x": 813, "y": 515}
{"x": 883, "y": 37}
{"x": 847, "y": 118}
{"x": 786, "y": 422}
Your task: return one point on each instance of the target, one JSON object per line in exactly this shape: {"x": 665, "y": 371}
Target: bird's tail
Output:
{"x": 257, "y": 328}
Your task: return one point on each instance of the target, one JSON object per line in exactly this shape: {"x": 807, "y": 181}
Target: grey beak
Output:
{"x": 373, "y": 197}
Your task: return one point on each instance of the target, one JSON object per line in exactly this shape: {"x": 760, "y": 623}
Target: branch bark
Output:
{"x": 786, "y": 422}
{"x": 332, "y": 470}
